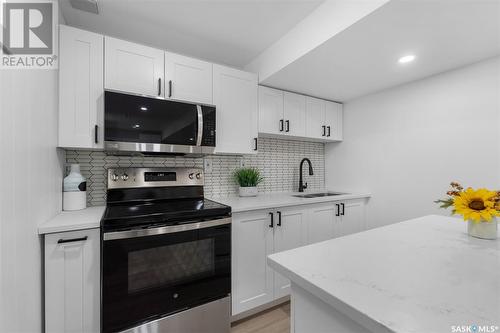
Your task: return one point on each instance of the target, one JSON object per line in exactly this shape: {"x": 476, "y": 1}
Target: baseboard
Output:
{"x": 260, "y": 308}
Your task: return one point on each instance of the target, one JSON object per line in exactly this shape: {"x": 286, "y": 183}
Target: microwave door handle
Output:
{"x": 200, "y": 125}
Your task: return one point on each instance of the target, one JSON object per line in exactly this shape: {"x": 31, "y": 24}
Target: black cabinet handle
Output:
{"x": 62, "y": 241}
{"x": 96, "y": 134}
{"x": 281, "y": 125}
{"x": 279, "y": 219}
{"x": 343, "y": 209}
{"x": 159, "y": 86}
{"x": 324, "y": 130}
{"x": 256, "y": 146}
{"x": 338, "y": 210}
{"x": 272, "y": 220}
{"x": 328, "y": 127}
{"x": 287, "y": 126}
{"x": 170, "y": 88}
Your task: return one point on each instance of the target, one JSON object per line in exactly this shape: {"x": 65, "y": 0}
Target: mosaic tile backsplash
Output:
{"x": 277, "y": 159}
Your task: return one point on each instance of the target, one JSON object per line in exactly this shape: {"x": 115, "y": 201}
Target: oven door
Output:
{"x": 151, "y": 273}
{"x": 136, "y": 123}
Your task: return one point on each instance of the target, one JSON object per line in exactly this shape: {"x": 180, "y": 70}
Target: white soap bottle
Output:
{"x": 74, "y": 190}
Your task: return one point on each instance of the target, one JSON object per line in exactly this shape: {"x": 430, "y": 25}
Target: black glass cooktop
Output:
{"x": 162, "y": 212}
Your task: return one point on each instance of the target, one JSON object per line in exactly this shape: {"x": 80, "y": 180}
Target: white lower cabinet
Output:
{"x": 321, "y": 222}
{"x": 289, "y": 231}
{"x": 252, "y": 242}
{"x": 72, "y": 281}
{"x": 351, "y": 217}
{"x": 259, "y": 233}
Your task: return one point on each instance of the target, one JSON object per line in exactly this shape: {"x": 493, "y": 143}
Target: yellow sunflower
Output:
{"x": 476, "y": 205}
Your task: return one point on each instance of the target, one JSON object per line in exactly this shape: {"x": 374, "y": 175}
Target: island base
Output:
{"x": 311, "y": 314}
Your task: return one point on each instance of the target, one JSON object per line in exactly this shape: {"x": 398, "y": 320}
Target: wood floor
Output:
{"x": 274, "y": 320}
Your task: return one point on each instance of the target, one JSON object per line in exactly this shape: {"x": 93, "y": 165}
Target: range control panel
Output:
{"x": 154, "y": 177}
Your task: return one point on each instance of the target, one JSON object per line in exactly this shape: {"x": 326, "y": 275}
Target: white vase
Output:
{"x": 248, "y": 191}
{"x": 74, "y": 190}
{"x": 484, "y": 230}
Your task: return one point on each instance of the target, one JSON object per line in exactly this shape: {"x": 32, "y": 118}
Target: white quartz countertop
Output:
{"x": 281, "y": 199}
{"x": 421, "y": 275}
{"x": 87, "y": 218}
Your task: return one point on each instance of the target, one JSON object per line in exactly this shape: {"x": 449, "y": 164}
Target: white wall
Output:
{"x": 30, "y": 190}
{"x": 406, "y": 144}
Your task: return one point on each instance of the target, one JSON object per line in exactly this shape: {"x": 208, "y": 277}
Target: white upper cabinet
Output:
{"x": 294, "y": 107}
{"x": 315, "y": 118}
{"x": 270, "y": 111}
{"x": 133, "y": 68}
{"x": 235, "y": 97}
{"x": 333, "y": 120}
{"x": 188, "y": 79}
{"x": 281, "y": 113}
{"x": 81, "y": 92}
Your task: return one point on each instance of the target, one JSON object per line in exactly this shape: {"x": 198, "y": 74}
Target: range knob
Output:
{"x": 124, "y": 176}
{"x": 191, "y": 176}
{"x": 114, "y": 177}
{"x": 198, "y": 175}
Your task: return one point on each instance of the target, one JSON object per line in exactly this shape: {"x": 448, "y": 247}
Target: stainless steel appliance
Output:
{"x": 166, "y": 254}
{"x": 136, "y": 123}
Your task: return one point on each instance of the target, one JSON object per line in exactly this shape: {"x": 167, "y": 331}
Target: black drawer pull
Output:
{"x": 279, "y": 219}
{"x": 62, "y": 241}
{"x": 256, "y": 146}
{"x": 281, "y": 125}
{"x": 343, "y": 209}
{"x": 287, "y": 126}
{"x": 328, "y": 128}
{"x": 96, "y": 134}
{"x": 272, "y": 220}
{"x": 324, "y": 130}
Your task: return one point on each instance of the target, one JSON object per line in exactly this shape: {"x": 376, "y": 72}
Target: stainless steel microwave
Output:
{"x": 148, "y": 125}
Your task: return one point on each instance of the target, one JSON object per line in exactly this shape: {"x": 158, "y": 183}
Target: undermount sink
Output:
{"x": 317, "y": 195}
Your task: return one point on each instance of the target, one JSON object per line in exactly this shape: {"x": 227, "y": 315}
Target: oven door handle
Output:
{"x": 113, "y": 235}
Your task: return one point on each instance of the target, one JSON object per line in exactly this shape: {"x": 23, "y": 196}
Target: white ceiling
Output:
{"x": 232, "y": 32}
{"x": 443, "y": 34}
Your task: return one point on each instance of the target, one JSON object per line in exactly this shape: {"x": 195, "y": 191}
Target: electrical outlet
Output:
{"x": 207, "y": 165}
{"x": 242, "y": 163}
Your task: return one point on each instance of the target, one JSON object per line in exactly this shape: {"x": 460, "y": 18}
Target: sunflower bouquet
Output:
{"x": 480, "y": 207}
{"x": 476, "y": 205}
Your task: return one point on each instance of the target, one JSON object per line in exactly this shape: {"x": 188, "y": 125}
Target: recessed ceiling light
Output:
{"x": 406, "y": 59}
{"x": 143, "y": 108}
{"x": 136, "y": 126}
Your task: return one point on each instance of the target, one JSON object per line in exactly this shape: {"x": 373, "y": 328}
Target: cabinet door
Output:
{"x": 315, "y": 118}
{"x": 295, "y": 114}
{"x": 271, "y": 119}
{"x": 235, "y": 97}
{"x": 72, "y": 281}
{"x": 81, "y": 91}
{"x": 352, "y": 217}
{"x": 333, "y": 120}
{"x": 133, "y": 68}
{"x": 252, "y": 242}
{"x": 188, "y": 79}
{"x": 288, "y": 234}
{"x": 321, "y": 222}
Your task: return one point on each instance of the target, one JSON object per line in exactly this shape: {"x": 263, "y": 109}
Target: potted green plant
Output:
{"x": 248, "y": 179}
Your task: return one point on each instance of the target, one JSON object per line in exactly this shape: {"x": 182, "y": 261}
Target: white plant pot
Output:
{"x": 484, "y": 230}
{"x": 248, "y": 191}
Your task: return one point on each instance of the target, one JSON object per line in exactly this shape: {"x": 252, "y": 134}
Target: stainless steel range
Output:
{"x": 166, "y": 254}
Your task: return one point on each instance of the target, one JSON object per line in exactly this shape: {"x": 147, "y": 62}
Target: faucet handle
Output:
{"x": 304, "y": 186}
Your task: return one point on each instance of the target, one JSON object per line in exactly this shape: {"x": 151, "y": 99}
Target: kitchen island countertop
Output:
{"x": 421, "y": 275}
